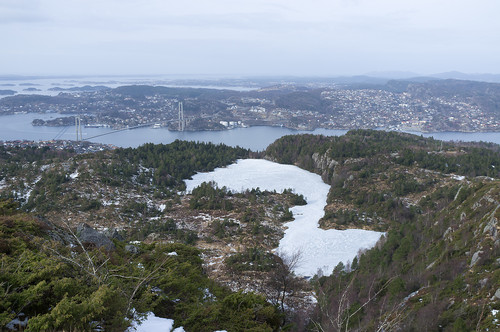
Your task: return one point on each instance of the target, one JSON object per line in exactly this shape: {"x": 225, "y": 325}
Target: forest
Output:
{"x": 437, "y": 267}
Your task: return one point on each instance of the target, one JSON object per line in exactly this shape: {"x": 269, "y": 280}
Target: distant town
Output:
{"x": 431, "y": 106}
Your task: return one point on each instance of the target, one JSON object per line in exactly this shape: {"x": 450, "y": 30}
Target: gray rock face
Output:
{"x": 323, "y": 162}
{"x": 447, "y": 234}
{"x": 89, "y": 235}
{"x": 112, "y": 233}
{"x": 497, "y": 294}
{"x": 491, "y": 227}
{"x": 475, "y": 258}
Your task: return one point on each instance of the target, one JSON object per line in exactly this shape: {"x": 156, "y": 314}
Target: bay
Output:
{"x": 18, "y": 127}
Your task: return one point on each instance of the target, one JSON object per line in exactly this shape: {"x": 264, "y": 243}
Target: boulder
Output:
{"x": 89, "y": 235}
{"x": 112, "y": 233}
{"x": 475, "y": 258}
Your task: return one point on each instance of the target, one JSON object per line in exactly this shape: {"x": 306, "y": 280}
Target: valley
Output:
{"x": 436, "y": 202}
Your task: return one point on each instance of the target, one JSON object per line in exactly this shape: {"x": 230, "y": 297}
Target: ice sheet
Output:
{"x": 319, "y": 249}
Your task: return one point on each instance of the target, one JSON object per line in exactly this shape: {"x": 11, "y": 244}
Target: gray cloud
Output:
{"x": 21, "y": 12}
{"x": 239, "y": 36}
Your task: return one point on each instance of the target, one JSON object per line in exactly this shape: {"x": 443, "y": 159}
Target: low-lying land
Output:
{"x": 426, "y": 106}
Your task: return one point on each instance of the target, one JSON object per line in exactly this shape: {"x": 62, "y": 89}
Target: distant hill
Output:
{"x": 7, "y": 92}
{"x": 492, "y": 78}
{"x": 393, "y": 74}
{"x": 86, "y": 88}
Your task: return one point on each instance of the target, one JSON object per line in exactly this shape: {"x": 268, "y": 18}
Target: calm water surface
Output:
{"x": 18, "y": 127}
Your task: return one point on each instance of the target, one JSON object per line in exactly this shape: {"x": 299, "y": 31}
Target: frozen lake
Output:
{"x": 318, "y": 248}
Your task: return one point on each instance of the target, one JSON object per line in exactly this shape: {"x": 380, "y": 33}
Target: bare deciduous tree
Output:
{"x": 337, "y": 313}
{"x": 282, "y": 282}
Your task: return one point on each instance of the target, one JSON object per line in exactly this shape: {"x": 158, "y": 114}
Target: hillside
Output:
{"x": 135, "y": 196}
{"x": 53, "y": 280}
{"x": 438, "y": 266}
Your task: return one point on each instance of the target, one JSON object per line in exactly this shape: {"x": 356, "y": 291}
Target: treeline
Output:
{"x": 354, "y": 144}
{"x": 408, "y": 149}
{"x": 471, "y": 161}
{"x": 20, "y": 161}
{"x": 176, "y": 161}
{"x": 208, "y": 196}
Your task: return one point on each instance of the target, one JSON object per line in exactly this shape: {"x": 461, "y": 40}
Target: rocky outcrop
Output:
{"x": 89, "y": 236}
{"x": 325, "y": 165}
{"x": 323, "y": 162}
{"x": 112, "y": 233}
{"x": 475, "y": 258}
{"x": 497, "y": 294}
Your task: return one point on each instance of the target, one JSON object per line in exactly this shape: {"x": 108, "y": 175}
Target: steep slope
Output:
{"x": 438, "y": 266}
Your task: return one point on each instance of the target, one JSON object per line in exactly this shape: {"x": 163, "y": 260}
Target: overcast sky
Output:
{"x": 248, "y": 37}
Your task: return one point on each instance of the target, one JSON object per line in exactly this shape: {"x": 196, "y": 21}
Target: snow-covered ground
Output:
{"x": 156, "y": 324}
{"x": 319, "y": 249}
{"x": 152, "y": 323}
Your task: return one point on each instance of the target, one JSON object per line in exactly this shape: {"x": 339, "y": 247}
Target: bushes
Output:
{"x": 207, "y": 196}
{"x": 103, "y": 309}
{"x": 238, "y": 312}
{"x": 222, "y": 229}
{"x": 252, "y": 259}
{"x": 56, "y": 287}
{"x": 294, "y": 199}
{"x": 167, "y": 227}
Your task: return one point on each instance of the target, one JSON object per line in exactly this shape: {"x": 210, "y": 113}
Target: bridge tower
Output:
{"x": 78, "y": 126}
{"x": 182, "y": 122}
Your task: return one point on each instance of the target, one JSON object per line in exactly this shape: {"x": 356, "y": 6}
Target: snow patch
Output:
{"x": 320, "y": 249}
{"x": 153, "y": 323}
{"x": 17, "y": 324}
{"x": 74, "y": 175}
{"x": 458, "y": 177}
